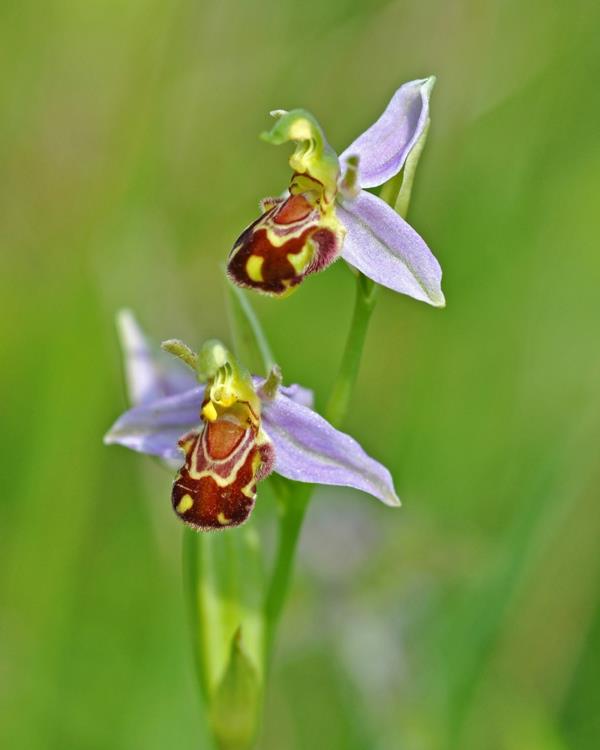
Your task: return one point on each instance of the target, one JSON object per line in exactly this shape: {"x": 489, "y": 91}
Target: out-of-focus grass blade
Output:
{"x": 553, "y": 537}
{"x": 249, "y": 340}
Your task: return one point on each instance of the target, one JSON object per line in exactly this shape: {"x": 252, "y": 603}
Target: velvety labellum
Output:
{"x": 216, "y": 487}
{"x": 290, "y": 240}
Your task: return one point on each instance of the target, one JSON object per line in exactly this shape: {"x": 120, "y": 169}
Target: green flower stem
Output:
{"x": 364, "y": 303}
{"x": 296, "y": 496}
{"x": 295, "y": 502}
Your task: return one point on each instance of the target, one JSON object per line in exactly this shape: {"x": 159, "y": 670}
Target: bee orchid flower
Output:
{"x": 228, "y": 430}
{"x": 330, "y": 213}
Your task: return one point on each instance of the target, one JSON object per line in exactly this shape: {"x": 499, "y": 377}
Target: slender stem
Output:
{"x": 364, "y": 303}
{"x": 295, "y": 503}
{"x": 297, "y": 496}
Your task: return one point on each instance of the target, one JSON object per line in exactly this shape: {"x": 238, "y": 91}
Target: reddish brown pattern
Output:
{"x": 278, "y": 274}
{"x": 218, "y": 449}
{"x": 295, "y": 208}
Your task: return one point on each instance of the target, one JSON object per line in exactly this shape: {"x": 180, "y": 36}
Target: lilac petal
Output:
{"x": 149, "y": 372}
{"x": 388, "y": 250}
{"x": 299, "y": 394}
{"x": 383, "y": 148}
{"x": 309, "y": 449}
{"x": 155, "y": 427}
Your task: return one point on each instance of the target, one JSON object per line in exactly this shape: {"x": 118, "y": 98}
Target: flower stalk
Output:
{"x": 294, "y": 501}
{"x": 296, "y": 498}
{"x": 364, "y": 304}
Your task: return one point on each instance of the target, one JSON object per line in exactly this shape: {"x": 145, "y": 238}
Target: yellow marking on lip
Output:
{"x": 266, "y": 204}
{"x": 254, "y": 267}
{"x": 184, "y": 504}
{"x": 209, "y": 412}
{"x": 247, "y": 491}
{"x": 194, "y": 474}
{"x": 277, "y": 240}
{"x": 223, "y": 520}
{"x": 300, "y": 260}
{"x": 184, "y": 445}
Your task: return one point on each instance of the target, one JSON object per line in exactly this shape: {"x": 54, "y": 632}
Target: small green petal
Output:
{"x": 178, "y": 349}
{"x": 272, "y": 383}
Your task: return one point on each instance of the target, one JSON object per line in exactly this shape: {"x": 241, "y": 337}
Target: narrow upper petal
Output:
{"x": 295, "y": 392}
{"x": 309, "y": 449}
{"x": 299, "y": 394}
{"x": 388, "y": 250}
{"x": 156, "y": 426}
{"x": 383, "y": 148}
{"x": 149, "y": 372}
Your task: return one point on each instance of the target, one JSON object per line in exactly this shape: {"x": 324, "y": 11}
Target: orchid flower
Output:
{"x": 329, "y": 212}
{"x": 230, "y": 430}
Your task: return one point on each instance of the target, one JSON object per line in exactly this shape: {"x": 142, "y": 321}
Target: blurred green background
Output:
{"x": 130, "y": 161}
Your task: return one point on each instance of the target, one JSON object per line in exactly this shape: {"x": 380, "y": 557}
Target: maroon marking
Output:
{"x": 222, "y": 437}
{"x": 267, "y": 458}
{"x": 276, "y": 268}
{"x": 219, "y": 448}
{"x": 278, "y": 274}
{"x": 327, "y": 250}
{"x": 295, "y": 208}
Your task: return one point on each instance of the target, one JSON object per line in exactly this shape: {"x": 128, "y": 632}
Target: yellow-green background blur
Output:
{"x": 130, "y": 161}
